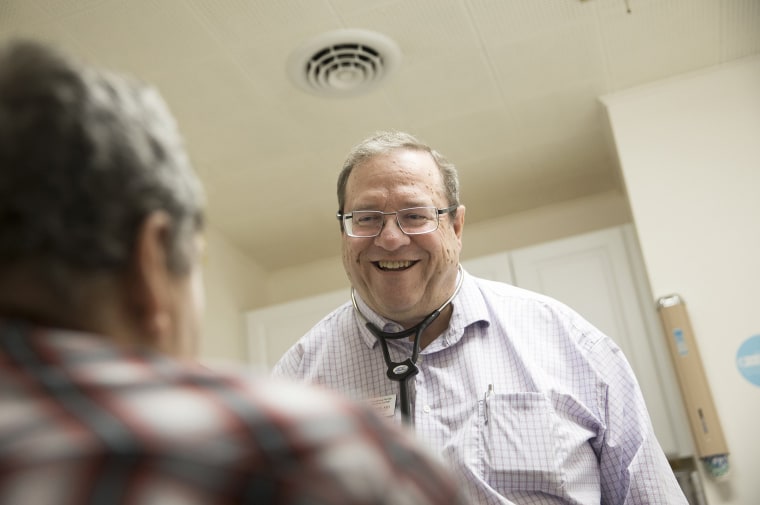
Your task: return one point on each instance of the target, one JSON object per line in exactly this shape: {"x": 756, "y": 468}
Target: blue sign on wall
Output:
{"x": 748, "y": 359}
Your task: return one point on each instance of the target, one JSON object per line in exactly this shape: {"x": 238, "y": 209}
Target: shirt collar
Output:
{"x": 469, "y": 307}
{"x": 374, "y": 318}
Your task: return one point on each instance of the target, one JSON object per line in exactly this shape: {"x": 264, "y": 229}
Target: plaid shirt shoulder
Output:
{"x": 85, "y": 423}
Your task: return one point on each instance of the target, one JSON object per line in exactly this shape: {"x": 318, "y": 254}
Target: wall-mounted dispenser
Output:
{"x": 703, "y": 418}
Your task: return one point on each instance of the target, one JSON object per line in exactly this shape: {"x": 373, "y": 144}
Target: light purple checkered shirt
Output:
{"x": 565, "y": 421}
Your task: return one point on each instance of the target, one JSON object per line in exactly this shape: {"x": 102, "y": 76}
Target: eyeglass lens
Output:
{"x": 414, "y": 221}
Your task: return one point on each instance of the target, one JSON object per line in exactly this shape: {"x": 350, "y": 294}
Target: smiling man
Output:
{"x": 526, "y": 400}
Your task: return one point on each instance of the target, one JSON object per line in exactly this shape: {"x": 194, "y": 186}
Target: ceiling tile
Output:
{"x": 421, "y": 28}
{"x": 659, "y": 38}
{"x": 741, "y": 18}
{"x": 502, "y": 22}
{"x": 573, "y": 108}
{"x": 144, "y": 37}
{"x": 543, "y": 64}
{"x": 63, "y": 8}
{"x": 247, "y": 23}
{"x": 210, "y": 91}
{"x": 442, "y": 86}
{"x": 467, "y": 137}
{"x": 21, "y": 19}
{"x": 19, "y": 12}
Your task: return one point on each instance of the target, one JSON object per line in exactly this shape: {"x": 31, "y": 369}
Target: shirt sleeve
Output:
{"x": 289, "y": 364}
{"x": 633, "y": 467}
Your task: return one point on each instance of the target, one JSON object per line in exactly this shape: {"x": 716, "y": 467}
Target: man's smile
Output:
{"x": 395, "y": 266}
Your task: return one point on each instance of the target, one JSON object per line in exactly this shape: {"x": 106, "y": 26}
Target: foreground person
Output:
{"x": 100, "y": 288}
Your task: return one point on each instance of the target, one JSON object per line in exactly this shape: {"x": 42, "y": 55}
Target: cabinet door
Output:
{"x": 273, "y": 330}
{"x": 597, "y": 274}
{"x": 495, "y": 267}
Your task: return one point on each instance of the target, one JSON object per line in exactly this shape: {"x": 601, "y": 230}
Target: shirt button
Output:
{"x": 426, "y": 409}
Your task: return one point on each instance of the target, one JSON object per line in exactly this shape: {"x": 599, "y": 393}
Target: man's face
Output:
{"x": 402, "y": 277}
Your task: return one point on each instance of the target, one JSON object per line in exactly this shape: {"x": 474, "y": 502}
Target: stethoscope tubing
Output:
{"x": 402, "y": 371}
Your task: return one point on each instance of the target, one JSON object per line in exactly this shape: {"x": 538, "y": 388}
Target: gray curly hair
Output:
{"x": 85, "y": 157}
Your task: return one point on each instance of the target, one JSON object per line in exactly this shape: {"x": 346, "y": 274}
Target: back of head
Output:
{"x": 85, "y": 155}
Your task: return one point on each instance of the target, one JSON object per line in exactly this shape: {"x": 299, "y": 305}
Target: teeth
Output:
{"x": 394, "y": 265}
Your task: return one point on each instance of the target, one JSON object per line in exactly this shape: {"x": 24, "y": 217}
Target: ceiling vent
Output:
{"x": 343, "y": 63}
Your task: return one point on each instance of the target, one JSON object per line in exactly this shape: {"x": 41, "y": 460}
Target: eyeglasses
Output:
{"x": 412, "y": 221}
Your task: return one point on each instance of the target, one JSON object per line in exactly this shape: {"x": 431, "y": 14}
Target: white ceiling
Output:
{"x": 507, "y": 89}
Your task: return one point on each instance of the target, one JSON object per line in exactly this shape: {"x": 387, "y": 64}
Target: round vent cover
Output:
{"x": 343, "y": 62}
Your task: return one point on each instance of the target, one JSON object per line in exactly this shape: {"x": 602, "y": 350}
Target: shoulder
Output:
{"x": 339, "y": 319}
{"x": 325, "y": 336}
{"x": 501, "y": 294}
{"x": 532, "y": 312}
{"x": 236, "y": 438}
{"x": 504, "y": 292}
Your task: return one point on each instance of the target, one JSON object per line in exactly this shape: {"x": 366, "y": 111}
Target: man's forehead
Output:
{"x": 405, "y": 164}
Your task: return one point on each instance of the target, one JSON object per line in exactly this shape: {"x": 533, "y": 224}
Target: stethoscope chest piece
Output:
{"x": 403, "y": 370}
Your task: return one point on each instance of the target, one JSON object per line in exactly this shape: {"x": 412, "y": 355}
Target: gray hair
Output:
{"x": 85, "y": 157}
{"x": 384, "y": 142}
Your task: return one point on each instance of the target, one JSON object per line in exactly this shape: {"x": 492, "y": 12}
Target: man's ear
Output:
{"x": 151, "y": 285}
{"x": 459, "y": 222}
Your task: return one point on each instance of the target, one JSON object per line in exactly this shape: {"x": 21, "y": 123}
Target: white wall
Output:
{"x": 234, "y": 283}
{"x": 544, "y": 224}
{"x": 689, "y": 150}
{"x": 307, "y": 280}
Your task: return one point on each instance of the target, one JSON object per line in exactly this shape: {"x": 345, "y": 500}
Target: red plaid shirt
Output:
{"x": 85, "y": 422}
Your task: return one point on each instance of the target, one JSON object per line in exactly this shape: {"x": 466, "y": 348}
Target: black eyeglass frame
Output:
{"x": 439, "y": 212}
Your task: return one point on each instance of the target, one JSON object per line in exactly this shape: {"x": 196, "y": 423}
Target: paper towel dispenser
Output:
{"x": 705, "y": 425}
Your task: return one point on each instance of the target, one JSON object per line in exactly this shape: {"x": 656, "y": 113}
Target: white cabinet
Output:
{"x": 273, "y": 330}
{"x": 599, "y": 274}
{"x": 494, "y": 266}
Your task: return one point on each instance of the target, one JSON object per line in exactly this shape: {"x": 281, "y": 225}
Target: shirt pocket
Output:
{"x": 519, "y": 443}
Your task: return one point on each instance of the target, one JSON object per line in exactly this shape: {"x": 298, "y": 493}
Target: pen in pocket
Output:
{"x": 488, "y": 394}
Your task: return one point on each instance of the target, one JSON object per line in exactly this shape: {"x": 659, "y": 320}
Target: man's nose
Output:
{"x": 391, "y": 236}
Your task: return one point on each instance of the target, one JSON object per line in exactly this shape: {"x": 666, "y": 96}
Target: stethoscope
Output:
{"x": 402, "y": 371}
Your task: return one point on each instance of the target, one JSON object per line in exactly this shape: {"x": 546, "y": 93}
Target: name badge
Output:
{"x": 383, "y": 405}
